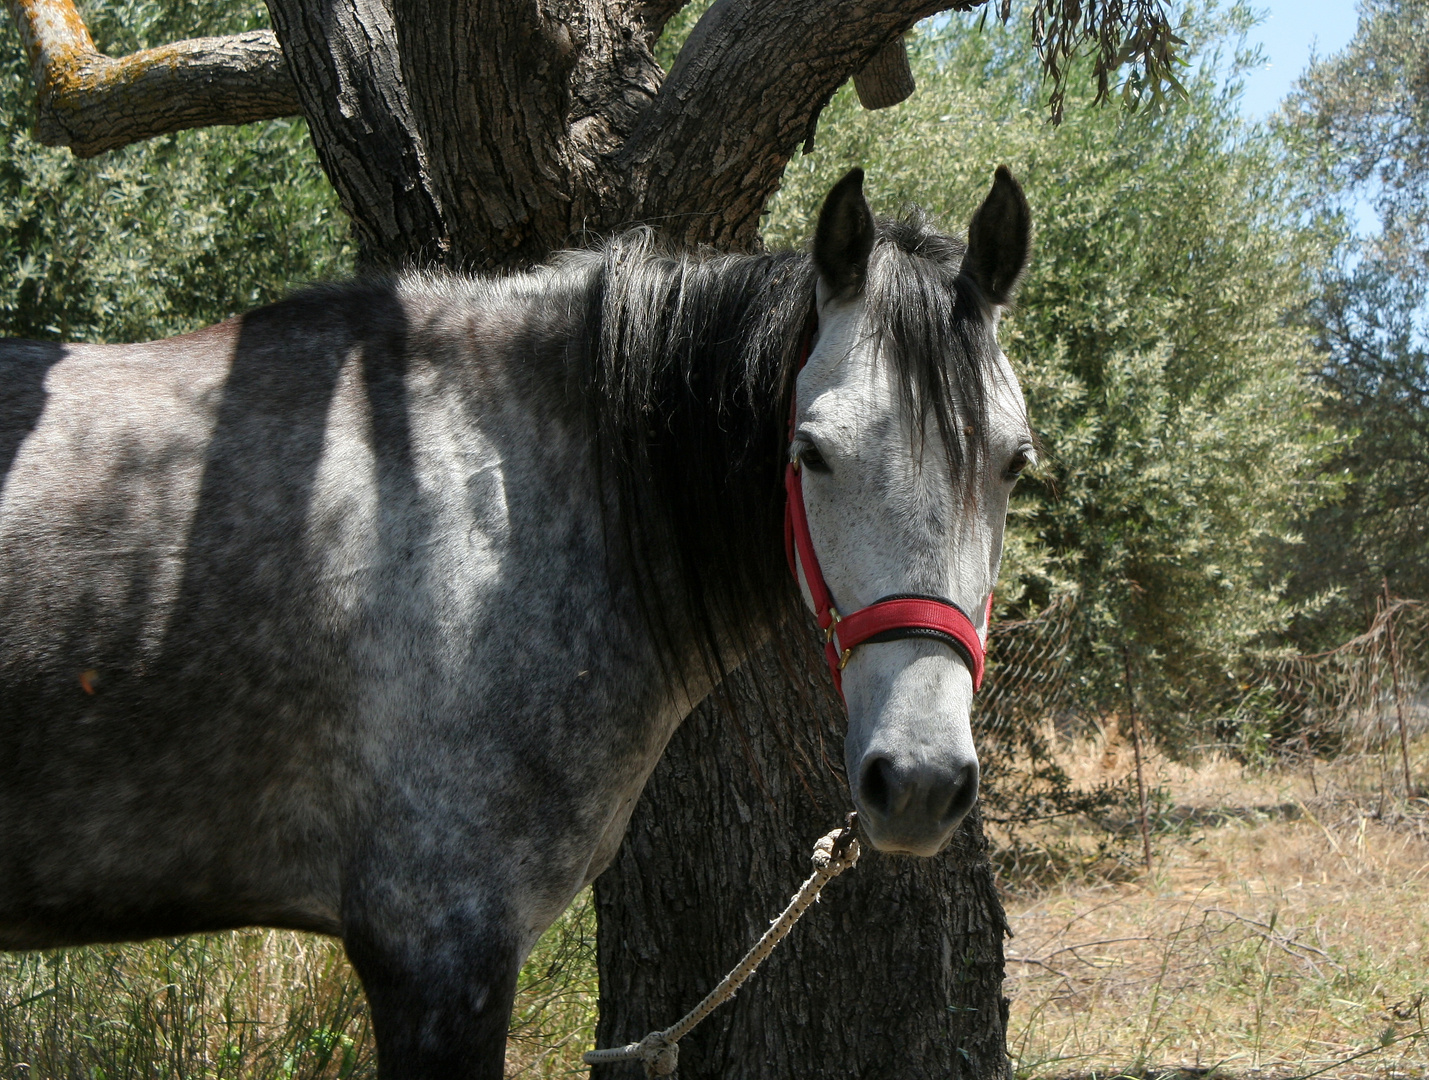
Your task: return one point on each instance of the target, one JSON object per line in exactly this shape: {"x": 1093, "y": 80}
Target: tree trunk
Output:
{"x": 565, "y": 128}
{"x": 896, "y": 972}
{"x": 483, "y": 134}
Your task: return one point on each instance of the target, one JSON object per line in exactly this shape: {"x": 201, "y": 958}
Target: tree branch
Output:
{"x": 705, "y": 173}
{"x": 887, "y": 79}
{"x": 345, "y": 57}
{"x": 654, "y": 14}
{"x": 91, "y": 102}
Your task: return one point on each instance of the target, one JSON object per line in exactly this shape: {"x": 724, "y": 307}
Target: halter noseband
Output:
{"x": 902, "y": 615}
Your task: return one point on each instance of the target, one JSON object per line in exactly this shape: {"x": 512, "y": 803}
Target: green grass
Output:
{"x": 250, "y": 1004}
{"x": 256, "y": 1005}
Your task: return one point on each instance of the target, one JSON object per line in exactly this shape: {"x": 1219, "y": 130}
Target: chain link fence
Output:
{"x": 1366, "y": 696}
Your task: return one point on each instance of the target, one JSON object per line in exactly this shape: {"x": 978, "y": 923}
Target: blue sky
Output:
{"x": 1287, "y": 34}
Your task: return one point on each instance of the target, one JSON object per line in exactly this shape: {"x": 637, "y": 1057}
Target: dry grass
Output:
{"x": 554, "y": 1019}
{"x": 1284, "y": 930}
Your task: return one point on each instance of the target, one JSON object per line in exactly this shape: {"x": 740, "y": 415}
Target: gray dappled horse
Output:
{"x": 370, "y": 612}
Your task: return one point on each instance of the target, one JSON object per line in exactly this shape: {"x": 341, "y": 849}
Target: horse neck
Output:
{"x": 689, "y": 392}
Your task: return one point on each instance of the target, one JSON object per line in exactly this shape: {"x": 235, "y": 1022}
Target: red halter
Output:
{"x": 893, "y": 617}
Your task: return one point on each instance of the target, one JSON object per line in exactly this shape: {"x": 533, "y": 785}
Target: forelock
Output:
{"x": 934, "y": 328}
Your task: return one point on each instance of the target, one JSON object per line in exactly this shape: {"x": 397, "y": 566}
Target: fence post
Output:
{"x": 1398, "y": 695}
{"x": 1136, "y": 748}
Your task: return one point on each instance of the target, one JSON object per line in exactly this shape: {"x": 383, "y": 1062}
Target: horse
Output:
{"x": 370, "y": 612}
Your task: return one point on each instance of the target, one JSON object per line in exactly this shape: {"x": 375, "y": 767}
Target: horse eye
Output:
{"x": 810, "y": 458}
{"x": 1017, "y": 464}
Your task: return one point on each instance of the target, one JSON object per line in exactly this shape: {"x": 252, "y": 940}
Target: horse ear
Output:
{"x": 999, "y": 239}
{"x": 844, "y": 239}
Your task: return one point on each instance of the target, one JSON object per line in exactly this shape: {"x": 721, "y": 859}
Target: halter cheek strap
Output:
{"x": 899, "y": 616}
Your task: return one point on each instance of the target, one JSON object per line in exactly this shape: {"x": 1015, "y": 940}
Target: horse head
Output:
{"x": 908, "y": 431}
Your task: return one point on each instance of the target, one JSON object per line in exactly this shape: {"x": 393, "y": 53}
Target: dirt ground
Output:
{"x": 1283, "y": 930}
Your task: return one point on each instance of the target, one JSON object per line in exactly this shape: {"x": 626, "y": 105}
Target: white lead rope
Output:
{"x": 833, "y": 854}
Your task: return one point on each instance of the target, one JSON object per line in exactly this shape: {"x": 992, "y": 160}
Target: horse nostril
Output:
{"x": 914, "y": 805}
{"x": 961, "y": 793}
{"x": 876, "y": 786}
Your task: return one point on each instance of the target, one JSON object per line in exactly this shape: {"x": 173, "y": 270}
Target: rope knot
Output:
{"x": 659, "y": 1054}
{"x": 839, "y": 847}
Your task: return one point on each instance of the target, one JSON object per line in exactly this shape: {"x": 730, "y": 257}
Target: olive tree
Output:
{"x": 1360, "y": 117}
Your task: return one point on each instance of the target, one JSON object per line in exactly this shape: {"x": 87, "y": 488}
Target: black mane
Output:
{"x": 689, "y": 361}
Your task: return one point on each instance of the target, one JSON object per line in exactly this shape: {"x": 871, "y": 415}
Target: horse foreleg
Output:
{"x": 440, "y": 995}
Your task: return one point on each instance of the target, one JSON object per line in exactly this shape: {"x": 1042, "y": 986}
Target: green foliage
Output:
{"x": 120, "y": 27}
{"x": 1376, "y": 373}
{"x": 165, "y": 236}
{"x": 1132, "y": 39}
{"x": 1361, "y": 117}
{"x": 1158, "y": 336}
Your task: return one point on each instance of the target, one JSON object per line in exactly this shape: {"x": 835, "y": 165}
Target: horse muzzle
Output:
{"x": 912, "y": 804}
{"x": 911, "y": 762}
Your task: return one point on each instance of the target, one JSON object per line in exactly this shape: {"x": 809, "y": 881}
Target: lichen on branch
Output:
{"x": 92, "y": 103}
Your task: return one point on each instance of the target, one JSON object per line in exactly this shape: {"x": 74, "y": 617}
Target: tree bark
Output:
{"x": 767, "y": 70}
{"x": 548, "y": 91}
{"x": 344, "y": 58}
{"x": 887, "y": 79}
{"x": 896, "y": 972}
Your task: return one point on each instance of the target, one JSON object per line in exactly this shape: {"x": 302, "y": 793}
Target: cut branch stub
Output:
{"x": 706, "y": 173}
{"x": 888, "y": 77}
{"x": 91, "y": 102}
